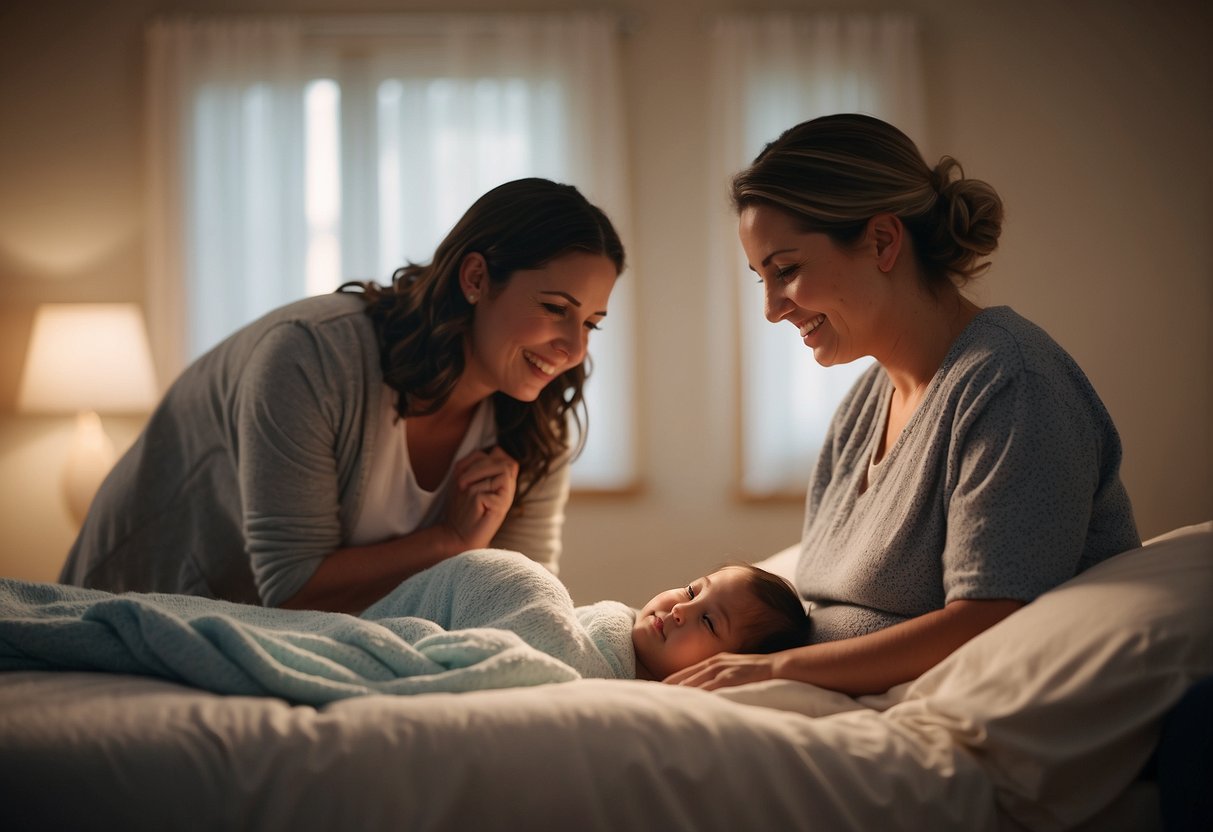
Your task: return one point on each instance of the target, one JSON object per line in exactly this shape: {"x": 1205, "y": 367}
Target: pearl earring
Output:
{"x": 473, "y": 297}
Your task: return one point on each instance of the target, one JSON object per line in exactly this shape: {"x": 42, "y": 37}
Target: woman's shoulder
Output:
{"x": 326, "y": 341}
{"x": 1002, "y": 349}
{"x": 336, "y": 309}
{"x": 334, "y": 324}
{"x": 999, "y": 333}
{"x": 1000, "y": 345}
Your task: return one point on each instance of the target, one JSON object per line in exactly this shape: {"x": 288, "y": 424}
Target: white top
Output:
{"x": 394, "y": 503}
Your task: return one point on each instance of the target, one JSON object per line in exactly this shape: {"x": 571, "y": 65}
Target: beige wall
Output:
{"x": 1091, "y": 117}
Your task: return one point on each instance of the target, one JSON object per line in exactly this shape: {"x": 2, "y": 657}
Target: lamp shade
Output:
{"x": 88, "y": 356}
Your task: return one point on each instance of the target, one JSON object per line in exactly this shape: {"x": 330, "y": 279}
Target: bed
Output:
{"x": 1044, "y": 722}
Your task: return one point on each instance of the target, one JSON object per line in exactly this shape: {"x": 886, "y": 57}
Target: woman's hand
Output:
{"x": 725, "y": 670}
{"x": 861, "y": 665}
{"x": 484, "y": 486}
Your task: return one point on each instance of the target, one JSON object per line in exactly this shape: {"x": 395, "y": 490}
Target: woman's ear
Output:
{"x": 473, "y": 276}
{"x": 888, "y": 232}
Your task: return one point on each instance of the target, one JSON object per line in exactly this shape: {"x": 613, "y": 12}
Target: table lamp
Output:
{"x": 86, "y": 358}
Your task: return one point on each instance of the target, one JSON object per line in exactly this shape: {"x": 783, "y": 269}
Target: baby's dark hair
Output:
{"x": 780, "y": 623}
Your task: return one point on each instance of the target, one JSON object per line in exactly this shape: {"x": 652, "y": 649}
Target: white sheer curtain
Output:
{"x": 770, "y": 72}
{"x": 226, "y": 230}
{"x": 290, "y": 155}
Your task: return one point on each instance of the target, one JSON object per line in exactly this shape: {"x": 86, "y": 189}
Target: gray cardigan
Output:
{"x": 252, "y": 468}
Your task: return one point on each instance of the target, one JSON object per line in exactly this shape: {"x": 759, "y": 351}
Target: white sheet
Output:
{"x": 593, "y": 755}
{"x": 1037, "y": 724}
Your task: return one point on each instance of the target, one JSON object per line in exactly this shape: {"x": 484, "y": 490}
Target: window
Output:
{"x": 771, "y": 72}
{"x": 291, "y": 155}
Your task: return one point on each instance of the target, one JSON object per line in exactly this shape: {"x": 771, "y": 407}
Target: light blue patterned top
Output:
{"x": 1004, "y": 483}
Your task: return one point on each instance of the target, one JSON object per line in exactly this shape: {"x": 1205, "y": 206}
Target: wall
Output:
{"x": 1092, "y": 118}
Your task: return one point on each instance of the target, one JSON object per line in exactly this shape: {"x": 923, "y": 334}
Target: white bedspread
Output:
{"x": 589, "y": 755}
{"x": 1041, "y": 723}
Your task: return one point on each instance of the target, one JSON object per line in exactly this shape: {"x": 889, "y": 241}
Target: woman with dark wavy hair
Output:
{"x": 327, "y": 451}
{"x": 972, "y": 467}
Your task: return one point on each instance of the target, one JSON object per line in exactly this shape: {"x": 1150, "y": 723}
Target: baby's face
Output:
{"x": 682, "y": 626}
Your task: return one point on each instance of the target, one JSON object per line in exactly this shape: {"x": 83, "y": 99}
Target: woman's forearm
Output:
{"x": 875, "y": 662}
{"x": 354, "y": 577}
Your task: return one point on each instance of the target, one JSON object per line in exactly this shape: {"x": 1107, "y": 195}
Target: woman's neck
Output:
{"x": 925, "y": 326}
{"x": 462, "y": 402}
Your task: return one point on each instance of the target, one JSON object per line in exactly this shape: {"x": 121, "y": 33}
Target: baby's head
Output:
{"x": 737, "y": 609}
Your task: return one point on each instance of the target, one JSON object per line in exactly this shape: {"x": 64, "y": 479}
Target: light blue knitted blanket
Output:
{"x": 484, "y": 619}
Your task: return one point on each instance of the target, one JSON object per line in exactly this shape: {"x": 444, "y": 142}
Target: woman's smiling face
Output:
{"x": 829, "y": 293}
{"x": 537, "y": 325}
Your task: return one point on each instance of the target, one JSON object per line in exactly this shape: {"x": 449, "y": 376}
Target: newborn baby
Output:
{"x": 736, "y": 609}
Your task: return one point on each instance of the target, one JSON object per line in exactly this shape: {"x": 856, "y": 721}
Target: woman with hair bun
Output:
{"x": 324, "y": 453}
{"x": 972, "y": 467}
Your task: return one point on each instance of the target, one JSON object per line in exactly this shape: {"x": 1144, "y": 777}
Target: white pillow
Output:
{"x": 1061, "y": 702}
{"x": 783, "y": 562}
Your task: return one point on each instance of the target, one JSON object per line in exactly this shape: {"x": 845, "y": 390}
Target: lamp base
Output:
{"x": 89, "y": 459}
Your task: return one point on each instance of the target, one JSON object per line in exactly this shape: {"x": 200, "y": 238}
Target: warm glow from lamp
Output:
{"x": 84, "y": 358}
